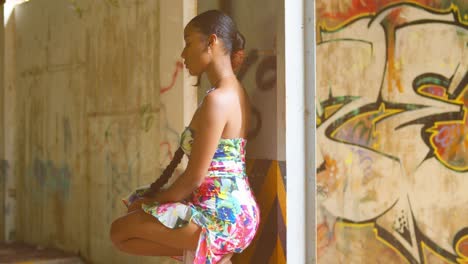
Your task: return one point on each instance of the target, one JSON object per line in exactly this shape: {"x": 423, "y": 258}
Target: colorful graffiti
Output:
{"x": 392, "y": 131}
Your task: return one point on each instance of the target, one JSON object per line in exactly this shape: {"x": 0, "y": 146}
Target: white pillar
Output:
{"x": 310, "y": 208}
{"x": 178, "y": 98}
{"x": 293, "y": 55}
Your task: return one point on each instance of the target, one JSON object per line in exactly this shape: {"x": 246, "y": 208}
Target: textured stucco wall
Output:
{"x": 392, "y": 108}
{"x": 88, "y": 118}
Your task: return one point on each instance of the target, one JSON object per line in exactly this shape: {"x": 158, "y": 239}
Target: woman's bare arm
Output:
{"x": 212, "y": 120}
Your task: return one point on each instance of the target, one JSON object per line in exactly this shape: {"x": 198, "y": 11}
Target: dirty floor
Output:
{"x": 20, "y": 253}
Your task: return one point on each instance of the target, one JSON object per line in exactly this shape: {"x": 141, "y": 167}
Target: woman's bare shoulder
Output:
{"x": 218, "y": 103}
{"x": 213, "y": 105}
{"x": 223, "y": 95}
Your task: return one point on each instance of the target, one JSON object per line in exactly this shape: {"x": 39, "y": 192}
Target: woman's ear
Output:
{"x": 212, "y": 40}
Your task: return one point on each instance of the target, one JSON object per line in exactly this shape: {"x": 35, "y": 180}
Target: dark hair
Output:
{"x": 168, "y": 171}
{"x": 220, "y": 24}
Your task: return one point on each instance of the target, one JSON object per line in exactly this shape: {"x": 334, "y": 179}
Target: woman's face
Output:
{"x": 195, "y": 54}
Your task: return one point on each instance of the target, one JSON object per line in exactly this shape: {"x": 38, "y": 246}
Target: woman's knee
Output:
{"x": 116, "y": 233}
{"x": 122, "y": 228}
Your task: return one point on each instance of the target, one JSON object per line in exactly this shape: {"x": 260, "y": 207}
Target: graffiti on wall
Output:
{"x": 121, "y": 155}
{"x": 265, "y": 80}
{"x": 169, "y": 135}
{"x": 392, "y": 126}
{"x": 50, "y": 177}
{"x": 116, "y": 141}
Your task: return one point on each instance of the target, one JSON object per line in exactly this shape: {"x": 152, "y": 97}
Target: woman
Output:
{"x": 210, "y": 208}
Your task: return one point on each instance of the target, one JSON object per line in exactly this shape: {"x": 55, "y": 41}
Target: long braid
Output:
{"x": 168, "y": 171}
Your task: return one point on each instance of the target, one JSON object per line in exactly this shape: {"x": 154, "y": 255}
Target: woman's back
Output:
{"x": 236, "y": 109}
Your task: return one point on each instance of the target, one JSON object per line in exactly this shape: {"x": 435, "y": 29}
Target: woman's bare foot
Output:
{"x": 226, "y": 259}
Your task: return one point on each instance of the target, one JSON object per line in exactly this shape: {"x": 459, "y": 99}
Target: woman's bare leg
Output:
{"x": 142, "y": 247}
{"x": 139, "y": 224}
{"x": 226, "y": 259}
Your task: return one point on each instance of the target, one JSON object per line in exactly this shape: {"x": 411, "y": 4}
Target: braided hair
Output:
{"x": 168, "y": 171}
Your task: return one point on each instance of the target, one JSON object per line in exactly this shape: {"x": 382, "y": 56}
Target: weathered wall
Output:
{"x": 392, "y": 111}
{"x": 88, "y": 92}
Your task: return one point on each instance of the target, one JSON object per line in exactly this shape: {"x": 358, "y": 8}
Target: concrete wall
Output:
{"x": 89, "y": 90}
{"x": 392, "y": 157}
{"x": 95, "y": 115}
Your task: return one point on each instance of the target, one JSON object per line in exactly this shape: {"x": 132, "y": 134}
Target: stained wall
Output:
{"x": 96, "y": 111}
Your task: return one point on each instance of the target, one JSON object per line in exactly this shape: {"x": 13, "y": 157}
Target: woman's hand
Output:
{"x": 137, "y": 204}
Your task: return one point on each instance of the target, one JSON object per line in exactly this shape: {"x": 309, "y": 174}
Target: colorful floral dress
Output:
{"x": 223, "y": 206}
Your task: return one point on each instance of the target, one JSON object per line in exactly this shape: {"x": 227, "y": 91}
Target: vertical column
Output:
{"x": 178, "y": 96}
{"x": 281, "y": 90}
{"x": 292, "y": 70}
{"x": 3, "y": 162}
{"x": 310, "y": 208}
{"x": 9, "y": 122}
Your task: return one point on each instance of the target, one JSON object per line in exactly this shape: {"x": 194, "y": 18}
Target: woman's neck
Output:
{"x": 219, "y": 70}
